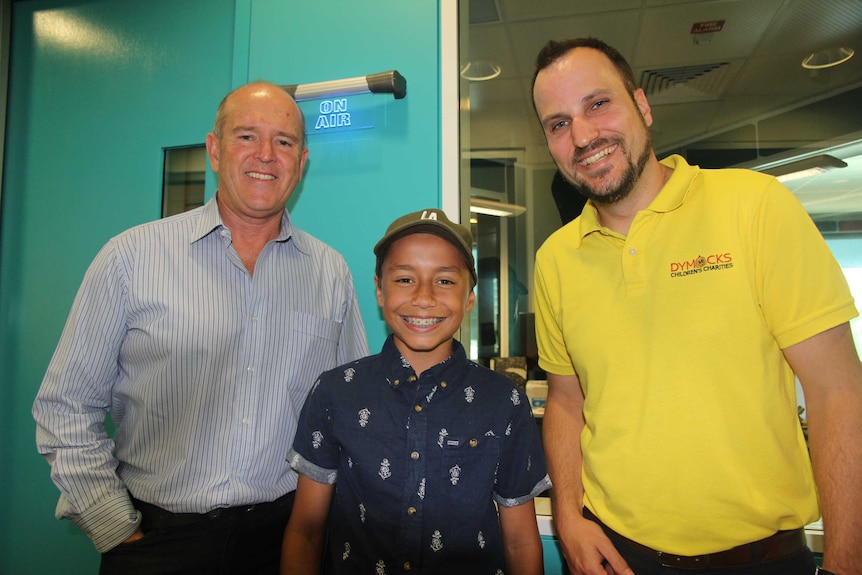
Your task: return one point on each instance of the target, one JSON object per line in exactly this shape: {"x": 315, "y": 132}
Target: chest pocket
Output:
{"x": 314, "y": 344}
{"x": 469, "y": 468}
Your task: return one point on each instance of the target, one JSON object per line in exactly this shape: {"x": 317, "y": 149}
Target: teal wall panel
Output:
{"x": 97, "y": 89}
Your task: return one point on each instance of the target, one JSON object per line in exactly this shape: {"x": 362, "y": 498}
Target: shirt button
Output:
{"x": 250, "y": 369}
{"x": 396, "y": 382}
{"x": 254, "y": 318}
{"x": 633, "y": 251}
{"x": 418, "y": 408}
{"x": 411, "y": 511}
{"x": 245, "y": 421}
{"x": 411, "y": 379}
{"x": 474, "y": 443}
{"x": 407, "y": 566}
{"x": 414, "y": 455}
{"x": 443, "y": 384}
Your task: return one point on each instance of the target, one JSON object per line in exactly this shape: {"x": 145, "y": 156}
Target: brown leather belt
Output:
{"x": 781, "y": 545}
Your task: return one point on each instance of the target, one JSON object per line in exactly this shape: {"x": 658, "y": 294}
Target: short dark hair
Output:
{"x": 554, "y": 50}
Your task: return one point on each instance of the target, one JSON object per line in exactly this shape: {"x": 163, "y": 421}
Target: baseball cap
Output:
{"x": 430, "y": 221}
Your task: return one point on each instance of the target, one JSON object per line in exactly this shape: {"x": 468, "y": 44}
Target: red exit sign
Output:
{"x": 707, "y": 27}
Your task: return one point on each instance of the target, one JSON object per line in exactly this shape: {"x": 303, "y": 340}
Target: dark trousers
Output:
{"x": 241, "y": 541}
{"x": 646, "y": 564}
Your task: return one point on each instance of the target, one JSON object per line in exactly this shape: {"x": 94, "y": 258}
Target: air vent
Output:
{"x": 705, "y": 79}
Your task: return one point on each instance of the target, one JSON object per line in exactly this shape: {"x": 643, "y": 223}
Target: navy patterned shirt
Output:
{"x": 418, "y": 463}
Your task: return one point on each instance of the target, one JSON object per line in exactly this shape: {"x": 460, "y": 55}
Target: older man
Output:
{"x": 201, "y": 334}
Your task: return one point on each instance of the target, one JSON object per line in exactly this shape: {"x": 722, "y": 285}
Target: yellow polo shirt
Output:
{"x": 692, "y": 443}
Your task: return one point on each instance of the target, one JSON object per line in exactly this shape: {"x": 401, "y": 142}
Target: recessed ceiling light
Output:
{"x": 480, "y": 70}
{"x": 827, "y": 58}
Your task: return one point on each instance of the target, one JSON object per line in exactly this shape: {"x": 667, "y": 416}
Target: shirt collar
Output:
{"x": 398, "y": 369}
{"x": 671, "y": 196}
{"x": 211, "y": 220}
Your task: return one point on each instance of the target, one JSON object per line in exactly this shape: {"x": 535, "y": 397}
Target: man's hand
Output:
{"x": 134, "y": 537}
{"x": 588, "y": 551}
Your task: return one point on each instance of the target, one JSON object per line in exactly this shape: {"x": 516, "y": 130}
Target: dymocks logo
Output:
{"x": 701, "y": 264}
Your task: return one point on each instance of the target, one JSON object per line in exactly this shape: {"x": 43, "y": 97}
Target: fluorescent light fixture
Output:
{"x": 390, "y": 82}
{"x": 805, "y": 167}
{"x": 810, "y": 172}
{"x": 827, "y": 58}
{"x": 480, "y": 71}
{"x": 492, "y": 208}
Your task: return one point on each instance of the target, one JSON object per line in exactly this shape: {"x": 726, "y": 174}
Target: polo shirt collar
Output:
{"x": 671, "y": 196}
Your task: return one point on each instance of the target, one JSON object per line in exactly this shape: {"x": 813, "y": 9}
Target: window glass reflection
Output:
{"x": 184, "y": 175}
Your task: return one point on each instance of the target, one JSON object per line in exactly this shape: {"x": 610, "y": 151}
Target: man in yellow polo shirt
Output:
{"x": 672, "y": 318}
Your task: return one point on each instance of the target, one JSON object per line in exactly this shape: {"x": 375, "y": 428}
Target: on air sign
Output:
{"x": 340, "y": 114}
{"x": 333, "y": 114}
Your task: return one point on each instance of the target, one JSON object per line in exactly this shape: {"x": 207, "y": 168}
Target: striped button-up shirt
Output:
{"x": 203, "y": 367}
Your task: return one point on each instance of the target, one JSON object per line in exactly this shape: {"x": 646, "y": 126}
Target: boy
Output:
{"x": 412, "y": 447}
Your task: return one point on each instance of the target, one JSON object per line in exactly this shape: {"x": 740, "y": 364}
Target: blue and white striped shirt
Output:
{"x": 203, "y": 367}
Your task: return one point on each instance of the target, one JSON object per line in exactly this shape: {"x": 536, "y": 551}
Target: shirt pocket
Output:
{"x": 469, "y": 468}
{"x": 314, "y": 346}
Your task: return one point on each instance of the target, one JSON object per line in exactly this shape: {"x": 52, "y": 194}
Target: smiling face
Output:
{"x": 258, "y": 151}
{"x": 597, "y": 132}
{"x": 424, "y": 291}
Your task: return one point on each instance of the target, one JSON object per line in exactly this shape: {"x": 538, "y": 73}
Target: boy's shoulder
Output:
{"x": 349, "y": 367}
{"x": 494, "y": 380}
{"x": 348, "y": 371}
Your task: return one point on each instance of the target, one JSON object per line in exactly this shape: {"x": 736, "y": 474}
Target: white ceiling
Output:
{"x": 746, "y": 75}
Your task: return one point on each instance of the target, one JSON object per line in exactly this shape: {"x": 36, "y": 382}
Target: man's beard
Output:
{"x": 611, "y": 195}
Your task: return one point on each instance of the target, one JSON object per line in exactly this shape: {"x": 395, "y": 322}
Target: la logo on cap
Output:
{"x": 428, "y": 216}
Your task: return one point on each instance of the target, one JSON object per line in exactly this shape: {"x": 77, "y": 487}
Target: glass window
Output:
{"x": 184, "y": 174}
{"x": 848, "y": 251}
